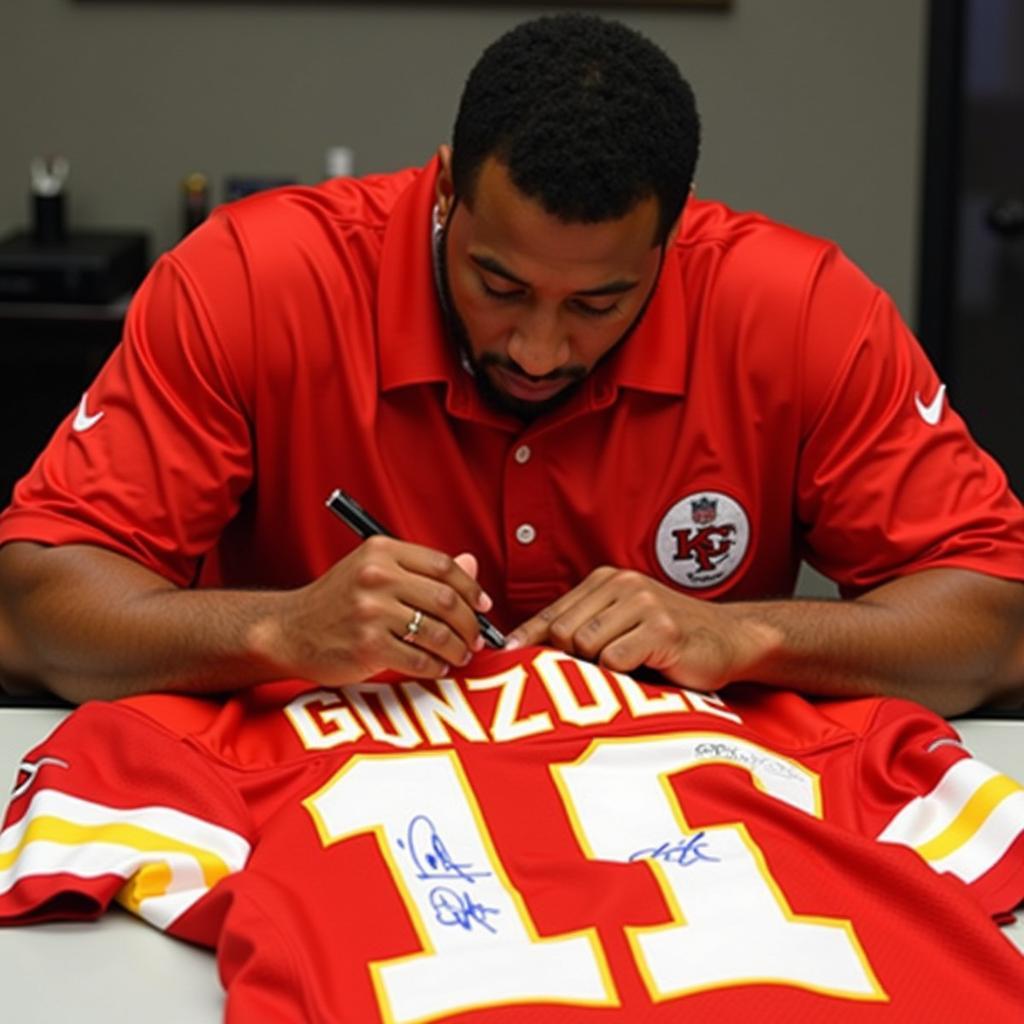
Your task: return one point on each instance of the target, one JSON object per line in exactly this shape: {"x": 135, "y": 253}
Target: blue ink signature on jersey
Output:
{"x": 430, "y": 854}
{"x": 686, "y": 851}
{"x": 460, "y": 910}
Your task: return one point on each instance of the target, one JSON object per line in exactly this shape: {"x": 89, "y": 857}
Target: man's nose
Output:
{"x": 538, "y": 345}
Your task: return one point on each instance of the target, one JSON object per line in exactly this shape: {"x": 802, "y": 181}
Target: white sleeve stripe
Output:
{"x": 166, "y": 821}
{"x": 988, "y": 844}
{"x": 965, "y": 824}
{"x": 166, "y": 870}
{"x": 926, "y": 817}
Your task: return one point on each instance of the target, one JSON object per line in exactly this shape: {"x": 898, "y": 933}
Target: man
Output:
{"x": 627, "y": 421}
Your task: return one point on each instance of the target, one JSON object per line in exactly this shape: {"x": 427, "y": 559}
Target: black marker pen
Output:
{"x": 347, "y": 509}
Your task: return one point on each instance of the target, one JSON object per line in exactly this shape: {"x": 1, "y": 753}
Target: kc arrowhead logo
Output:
{"x": 702, "y": 539}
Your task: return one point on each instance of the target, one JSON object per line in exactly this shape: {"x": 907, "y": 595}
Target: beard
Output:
{"x": 492, "y": 395}
{"x": 521, "y": 407}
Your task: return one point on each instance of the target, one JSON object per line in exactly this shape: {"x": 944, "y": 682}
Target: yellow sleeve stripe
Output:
{"x": 150, "y": 882}
{"x": 168, "y": 858}
{"x": 70, "y": 833}
{"x": 965, "y": 824}
{"x": 969, "y": 821}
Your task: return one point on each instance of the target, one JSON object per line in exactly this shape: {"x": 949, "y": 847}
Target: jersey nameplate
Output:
{"x": 410, "y": 714}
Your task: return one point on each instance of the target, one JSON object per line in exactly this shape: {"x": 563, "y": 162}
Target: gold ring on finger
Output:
{"x": 414, "y": 626}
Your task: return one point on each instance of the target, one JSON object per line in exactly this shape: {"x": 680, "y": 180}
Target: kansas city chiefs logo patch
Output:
{"x": 702, "y": 539}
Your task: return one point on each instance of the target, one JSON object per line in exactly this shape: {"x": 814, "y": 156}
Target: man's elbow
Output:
{"x": 21, "y": 673}
{"x": 18, "y": 675}
{"x": 1010, "y": 696}
{"x": 1005, "y": 685}
{"x": 19, "y": 686}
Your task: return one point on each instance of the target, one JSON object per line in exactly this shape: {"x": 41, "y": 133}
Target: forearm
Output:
{"x": 87, "y": 634}
{"x": 948, "y": 638}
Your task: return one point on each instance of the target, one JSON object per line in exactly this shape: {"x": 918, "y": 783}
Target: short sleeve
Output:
{"x": 889, "y": 479}
{"x": 919, "y": 787}
{"x": 111, "y": 807}
{"x": 154, "y": 461}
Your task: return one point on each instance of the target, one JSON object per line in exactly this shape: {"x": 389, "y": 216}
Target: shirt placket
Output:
{"x": 528, "y": 525}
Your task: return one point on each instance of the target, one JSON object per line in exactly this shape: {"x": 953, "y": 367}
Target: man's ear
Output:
{"x": 444, "y": 187}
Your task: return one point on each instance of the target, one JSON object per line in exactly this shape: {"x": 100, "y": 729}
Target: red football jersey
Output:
{"x": 537, "y": 839}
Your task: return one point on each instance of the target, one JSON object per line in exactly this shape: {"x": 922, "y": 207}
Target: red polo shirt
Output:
{"x": 771, "y": 405}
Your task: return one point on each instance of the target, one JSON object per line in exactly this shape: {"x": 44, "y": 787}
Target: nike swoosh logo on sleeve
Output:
{"x": 932, "y": 412}
{"x": 83, "y": 421}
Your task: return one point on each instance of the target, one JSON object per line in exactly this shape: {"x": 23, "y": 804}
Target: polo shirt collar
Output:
{"x": 654, "y": 357}
{"x": 415, "y": 349}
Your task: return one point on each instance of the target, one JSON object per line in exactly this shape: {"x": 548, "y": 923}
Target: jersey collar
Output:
{"x": 414, "y": 348}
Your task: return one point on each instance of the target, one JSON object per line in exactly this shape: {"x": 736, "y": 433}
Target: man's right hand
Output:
{"x": 356, "y": 619}
{"x": 87, "y": 623}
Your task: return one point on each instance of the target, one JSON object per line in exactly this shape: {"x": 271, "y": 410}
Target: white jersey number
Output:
{"x": 731, "y": 924}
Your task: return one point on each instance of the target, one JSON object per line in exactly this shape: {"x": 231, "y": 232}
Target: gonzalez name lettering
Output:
{"x": 411, "y": 714}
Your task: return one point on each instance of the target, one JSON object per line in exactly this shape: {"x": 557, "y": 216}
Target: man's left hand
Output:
{"x": 623, "y": 619}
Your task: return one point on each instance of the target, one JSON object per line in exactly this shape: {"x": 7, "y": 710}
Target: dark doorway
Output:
{"x": 971, "y": 316}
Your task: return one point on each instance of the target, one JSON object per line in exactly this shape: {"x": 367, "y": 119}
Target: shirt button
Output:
{"x": 525, "y": 533}
{"x": 523, "y": 454}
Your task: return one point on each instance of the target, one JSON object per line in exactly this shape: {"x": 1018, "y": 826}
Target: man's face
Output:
{"x": 537, "y": 302}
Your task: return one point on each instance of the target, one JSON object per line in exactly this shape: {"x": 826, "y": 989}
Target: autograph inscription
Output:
{"x": 754, "y": 762}
{"x": 685, "y": 851}
{"x": 431, "y": 856}
{"x": 459, "y": 910}
{"x": 433, "y": 861}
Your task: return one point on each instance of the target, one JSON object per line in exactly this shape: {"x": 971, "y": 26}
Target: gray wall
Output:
{"x": 812, "y": 108}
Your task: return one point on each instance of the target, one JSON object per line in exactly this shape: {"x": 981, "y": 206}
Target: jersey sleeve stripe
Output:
{"x": 970, "y": 860}
{"x": 169, "y": 858}
{"x": 970, "y": 819}
{"x": 965, "y": 824}
{"x": 61, "y": 833}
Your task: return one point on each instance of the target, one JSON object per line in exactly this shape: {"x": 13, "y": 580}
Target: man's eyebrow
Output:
{"x": 493, "y": 266}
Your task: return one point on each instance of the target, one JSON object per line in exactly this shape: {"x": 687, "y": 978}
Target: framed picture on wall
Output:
{"x": 706, "y": 4}
{"x": 619, "y": 3}
{"x": 628, "y": 3}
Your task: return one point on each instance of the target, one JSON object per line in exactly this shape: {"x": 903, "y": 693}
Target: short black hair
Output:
{"x": 588, "y": 116}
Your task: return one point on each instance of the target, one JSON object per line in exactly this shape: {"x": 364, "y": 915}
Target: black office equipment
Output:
{"x": 85, "y": 266}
